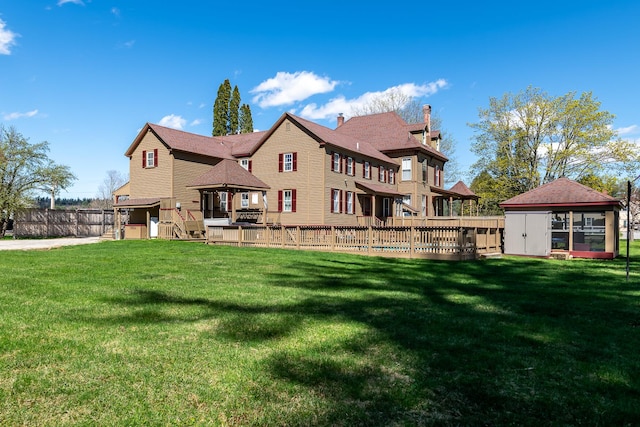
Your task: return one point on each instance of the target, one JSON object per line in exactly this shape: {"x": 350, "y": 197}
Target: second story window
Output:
{"x": 366, "y": 170}
{"x": 382, "y": 174}
{"x": 336, "y": 163}
{"x": 406, "y": 169}
{"x": 244, "y": 200}
{"x": 350, "y": 166}
{"x": 392, "y": 176}
{"x": 288, "y": 162}
{"x": 437, "y": 176}
{"x": 150, "y": 158}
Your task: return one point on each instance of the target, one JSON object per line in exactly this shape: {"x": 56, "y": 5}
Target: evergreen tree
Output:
{"x": 221, "y": 110}
{"x": 234, "y": 106}
{"x": 228, "y": 116}
{"x": 245, "y": 120}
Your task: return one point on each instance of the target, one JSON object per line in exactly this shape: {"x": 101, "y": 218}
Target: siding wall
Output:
{"x": 150, "y": 182}
{"x": 187, "y": 168}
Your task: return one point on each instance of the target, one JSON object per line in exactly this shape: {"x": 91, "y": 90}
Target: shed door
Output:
{"x": 527, "y": 233}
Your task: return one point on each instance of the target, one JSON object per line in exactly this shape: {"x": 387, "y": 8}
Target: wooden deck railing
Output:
{"x": 433, "y": 242}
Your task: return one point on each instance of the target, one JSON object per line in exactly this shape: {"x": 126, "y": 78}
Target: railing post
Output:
{"x": 282, "y": 234}
{"x": 370, "y": 239}
{"x": 298, "y": 237}
{"x": 412, "y": 245}
{"x": 333, "y": 238}
{"x": 239, "y": 235}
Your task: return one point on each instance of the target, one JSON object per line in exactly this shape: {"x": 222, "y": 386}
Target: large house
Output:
{"x": 368, "y": 170}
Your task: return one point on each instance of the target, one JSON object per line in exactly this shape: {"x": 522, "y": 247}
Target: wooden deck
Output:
{"x": 461, "y": 239}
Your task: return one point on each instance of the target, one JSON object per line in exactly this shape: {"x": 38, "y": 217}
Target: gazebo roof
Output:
{"x": 561, "y": 192}
{"x": 230, "y": 175}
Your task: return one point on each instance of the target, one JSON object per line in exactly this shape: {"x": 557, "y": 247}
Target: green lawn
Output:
{"x": 178, "y": 333}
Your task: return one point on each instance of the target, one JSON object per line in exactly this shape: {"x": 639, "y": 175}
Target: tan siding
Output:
{"x": 188, "y": 167}
{"x": 150, "y": 182}
{"x": 305, "y": 180}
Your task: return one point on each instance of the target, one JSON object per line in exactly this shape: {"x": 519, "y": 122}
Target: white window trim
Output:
{"x": 244, "y": 200}
{"x": 350, "y": 202}
{"x": 287, "y": 162}
{"x": 151, "y": 160}
{"x": 336, "y": 201}
{"x": 367, "y": 170}
{"x": 287, "y": 201}
{"x": 406, "y": 169}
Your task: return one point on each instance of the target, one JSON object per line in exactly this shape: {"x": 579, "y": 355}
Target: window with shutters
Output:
{"x": 288, "y": 162}
{"x": 246, "y": 164}
{"x": 349, "y": 198}
{"x": 382, "y": 174}
{"x": 366, "y": 170}
{"x": 287, "y": 200}
{"x": 150, "y": 158}
{"x": 335, "y": 201}
{"x": 336, "y": 164}
{"x": 350, "y": 166}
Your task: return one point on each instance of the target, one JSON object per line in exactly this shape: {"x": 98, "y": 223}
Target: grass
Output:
{"x": 176, "y": 333}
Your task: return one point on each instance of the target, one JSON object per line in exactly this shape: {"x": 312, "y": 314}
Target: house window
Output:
{"x": 336, "y": 201}
{"x": 392, "y": 176}
{"x": 288, "y": 162}
{"x": 350, "y": 166}
{"x": 350, "y": 202}
{"x": 366, "y": 171}
{"x": 244, "y": 201}
{"x": 223, "y": 201}
{"x": 424, "y": 170}
{"x": 336, "y": 164}
{"x": 424, "y": 205}
{"x": 150, "y": 158}
{"x": 287, "y": 200}
{"x": 246, "y": 164}
{"x": 406, "y": 169}
{"x": 406, "y": 200}
{"x": 382, "y": 174}
{"x": 436, "y": 176}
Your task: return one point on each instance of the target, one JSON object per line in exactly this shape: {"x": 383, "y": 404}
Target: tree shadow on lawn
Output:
{"x": 442, "y": 343}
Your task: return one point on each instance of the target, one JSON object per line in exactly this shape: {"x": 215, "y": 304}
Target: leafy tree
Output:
{"x": 410, "y": 110}
{"x": 484, "y": 186}
{"x": 530, "y": 138}
{"x": 113, "y": 181}
{"x": 228, "y": 116}
{"x": 24, "y": 170}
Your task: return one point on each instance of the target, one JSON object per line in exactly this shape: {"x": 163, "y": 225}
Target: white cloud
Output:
{"x": 14, "y": 116}
{"x": 7, "y": 39}
{"x": 173, "y": 121}
{"x": 288, "y": 88}
{"x": 196, "y": 122}
{"x": 115, "y": 11}
{"x": 61, "y": 2}
{"x": 346, "y": 106}
{"x": 629, "y": 130}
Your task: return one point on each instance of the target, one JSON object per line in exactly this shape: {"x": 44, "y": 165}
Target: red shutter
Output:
{"x": 144, "y": 159}
{"x": 279, "y": 200}
{"x": 331, "y": 200}
{"x": 250, "y": 165}
{"x": 155, "y": 157}
{"x": 295, "y": 163}
{"x": 332, "y": 153}
{"x": 343, "y": 163}
{"x": 341, "y": 208}
{"x": 293, "y": 197}
{"x": 280, "y": 160}
{"x": 363, "y": 170}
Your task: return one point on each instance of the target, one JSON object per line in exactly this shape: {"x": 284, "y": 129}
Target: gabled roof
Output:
{"x": 184, "y": 141}
{"x": 228, "y": 174}
{"x": 388, "y": 132}
{"x": 138, "y": 203}
{"x": 324, "y": 135}
{"x": 243, "y": 144}
{"x": 561, "y": 192}
{"x": 464, "y": 191}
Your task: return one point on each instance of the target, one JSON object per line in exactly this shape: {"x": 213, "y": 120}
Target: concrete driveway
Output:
{"x": 27, "y": 244}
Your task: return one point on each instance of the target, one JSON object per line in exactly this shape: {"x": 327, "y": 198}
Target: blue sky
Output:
{"x": 86, "y": 75}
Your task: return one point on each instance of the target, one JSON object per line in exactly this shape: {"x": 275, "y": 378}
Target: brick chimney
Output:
{"x": 340, "y": 119}
{"x": 426, "y": 110}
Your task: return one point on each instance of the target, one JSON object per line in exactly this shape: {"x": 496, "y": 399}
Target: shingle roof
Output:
{"x": 462, "y": 189}
{"x": 562, "y": 191}
{"x": 387, "y": 132}
{"x": 192, "y": 143}
{"x": 346, "y": 142}
{"x": 229, "y": 174}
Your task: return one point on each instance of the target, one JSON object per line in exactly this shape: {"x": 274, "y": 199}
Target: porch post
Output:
{"x": 233, "y": 206}
{"x": 264, "y": 207}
